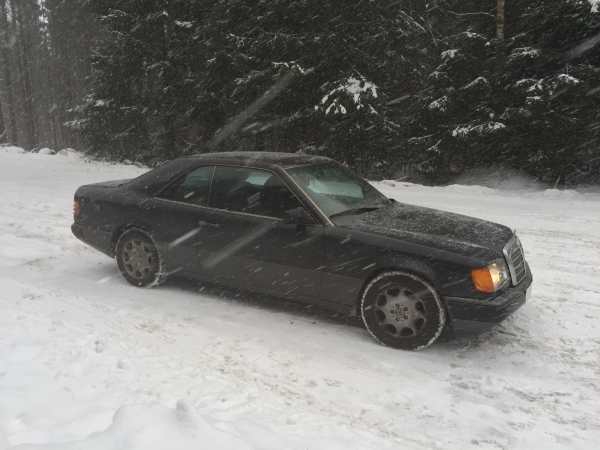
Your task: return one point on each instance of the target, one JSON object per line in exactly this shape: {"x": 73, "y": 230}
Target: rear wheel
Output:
{"x": 139, "y": 260}
{"x": 403, "y": 311}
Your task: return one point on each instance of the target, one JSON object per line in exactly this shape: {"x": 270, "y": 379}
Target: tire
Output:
{"x": 402, "y": 311}
{"x": 138, "y": 258}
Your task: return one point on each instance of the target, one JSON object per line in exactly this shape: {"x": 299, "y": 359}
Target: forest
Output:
{"x": 426, "y": 88}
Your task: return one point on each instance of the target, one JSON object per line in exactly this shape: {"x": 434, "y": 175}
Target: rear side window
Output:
{"x": 252, "y": 191}
{"x": 192, "y": 188}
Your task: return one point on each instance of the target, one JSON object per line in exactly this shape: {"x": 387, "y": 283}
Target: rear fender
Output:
{"x": 118, "y": 232}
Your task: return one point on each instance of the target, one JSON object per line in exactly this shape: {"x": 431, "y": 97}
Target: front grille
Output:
{"x": 516, "y": 260}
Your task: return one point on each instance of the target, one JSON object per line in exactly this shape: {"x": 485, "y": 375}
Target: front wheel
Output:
{"x": 403, "y": 311}
{"x": 139, "y": 260}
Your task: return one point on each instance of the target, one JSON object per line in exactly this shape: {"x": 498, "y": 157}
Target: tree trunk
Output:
{"x": 25, "y": 31}
{"x": 60, "y": 26}
{"x": 2, "y": 129}
{"x": 10, "y": 121}
{"x": 169, "y": 119}
{"x": 24, "y": 65}
{"x": 53, "y": 106}
{"x": 500, "y": 20}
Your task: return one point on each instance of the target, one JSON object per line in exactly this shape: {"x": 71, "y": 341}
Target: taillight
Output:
{"x": 76, "y": 209}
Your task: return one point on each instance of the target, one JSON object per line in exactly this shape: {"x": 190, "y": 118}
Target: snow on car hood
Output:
{"x": 434, "y": 228}
{"x": 110, "y": 184}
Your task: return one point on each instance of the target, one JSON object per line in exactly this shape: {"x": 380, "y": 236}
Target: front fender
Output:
{"x": 358, "y": 255}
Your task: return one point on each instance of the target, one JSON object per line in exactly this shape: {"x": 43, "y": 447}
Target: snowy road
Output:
{"x": 77, "y": 342}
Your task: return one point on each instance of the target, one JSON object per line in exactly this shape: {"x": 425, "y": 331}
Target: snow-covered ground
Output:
{"x": 185, "y": 365}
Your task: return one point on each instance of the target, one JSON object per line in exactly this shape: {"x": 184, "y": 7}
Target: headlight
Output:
{"x": 491, "y": 278}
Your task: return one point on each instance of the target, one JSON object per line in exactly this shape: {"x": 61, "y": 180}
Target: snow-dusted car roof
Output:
{"x": 274, "y": 158}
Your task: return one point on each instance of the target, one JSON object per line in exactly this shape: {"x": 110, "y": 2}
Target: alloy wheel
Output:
{"x": 400, "y": 311}
{"x": 137, "y": 258}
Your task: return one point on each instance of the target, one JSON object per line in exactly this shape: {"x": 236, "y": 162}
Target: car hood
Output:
{"x": 433, "y": 228}
{"x": 110, "y": 184}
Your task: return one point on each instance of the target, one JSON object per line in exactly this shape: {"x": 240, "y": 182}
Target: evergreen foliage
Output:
{"x": 381, "y": 86}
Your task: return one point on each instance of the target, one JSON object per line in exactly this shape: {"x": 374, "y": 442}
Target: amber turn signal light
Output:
{"x": 482, "y": 279}
{"x": 76, "y": 208}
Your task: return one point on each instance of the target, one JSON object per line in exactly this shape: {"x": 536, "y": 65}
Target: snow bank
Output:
{"x": 496, "y": 189}
{"x": 154, "y": 427}
{"x": 502, "y": 178}
{"x": 566, "y": 194}
{"x": 11, "y": 149}
{"x": 66, "y": 152}
{"x": 71, "y": 153}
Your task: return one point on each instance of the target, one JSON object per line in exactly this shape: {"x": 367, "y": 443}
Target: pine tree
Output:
{"x": 68, "y": 60}
{"x": 380, "y": 87}
{"x": 8, "y": 112}
{"x": 523, "y": 101}
{"x": 553, "y": 111}
{"x": 207, "y": 62}
{"x": 457, "y": 124}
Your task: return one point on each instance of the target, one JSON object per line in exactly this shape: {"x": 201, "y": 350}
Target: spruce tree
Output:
{"x": 380, "y": 87}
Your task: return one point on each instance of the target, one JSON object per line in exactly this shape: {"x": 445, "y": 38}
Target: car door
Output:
{"x": 176, "y": 213}
{"x": 244, "y": 241}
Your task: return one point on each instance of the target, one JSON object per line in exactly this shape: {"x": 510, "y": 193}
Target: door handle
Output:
{"x": 208, "y": 224}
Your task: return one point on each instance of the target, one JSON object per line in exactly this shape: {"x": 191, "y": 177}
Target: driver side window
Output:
{"x": 251, "y": 191}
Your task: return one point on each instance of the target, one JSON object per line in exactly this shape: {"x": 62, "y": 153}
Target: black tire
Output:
{"x": 138, "y": 258}
{"x": 402, "y": 311}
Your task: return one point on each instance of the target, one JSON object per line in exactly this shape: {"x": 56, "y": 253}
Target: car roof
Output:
{"x": 264, "y": 158}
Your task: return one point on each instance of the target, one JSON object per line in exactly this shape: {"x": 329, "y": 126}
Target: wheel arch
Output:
{"x": 120, "y": 230}
{"x": 412, "y": 266}
{"x": 420, "y": 270}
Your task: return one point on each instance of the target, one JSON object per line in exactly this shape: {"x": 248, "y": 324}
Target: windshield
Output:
{"x": 335, "y": 189}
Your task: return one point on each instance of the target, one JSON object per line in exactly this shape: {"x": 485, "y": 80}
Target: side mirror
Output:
{"x": 298, "y": 215}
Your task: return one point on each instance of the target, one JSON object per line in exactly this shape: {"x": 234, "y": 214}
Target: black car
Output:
{"x": 306, "y": 228}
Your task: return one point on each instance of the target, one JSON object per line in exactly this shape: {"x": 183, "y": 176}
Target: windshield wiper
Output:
{"x": 356, "y": 211}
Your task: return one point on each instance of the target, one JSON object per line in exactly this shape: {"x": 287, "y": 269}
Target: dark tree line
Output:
{"x": 45, "y": 49}
{"x": 428, "y": 86}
